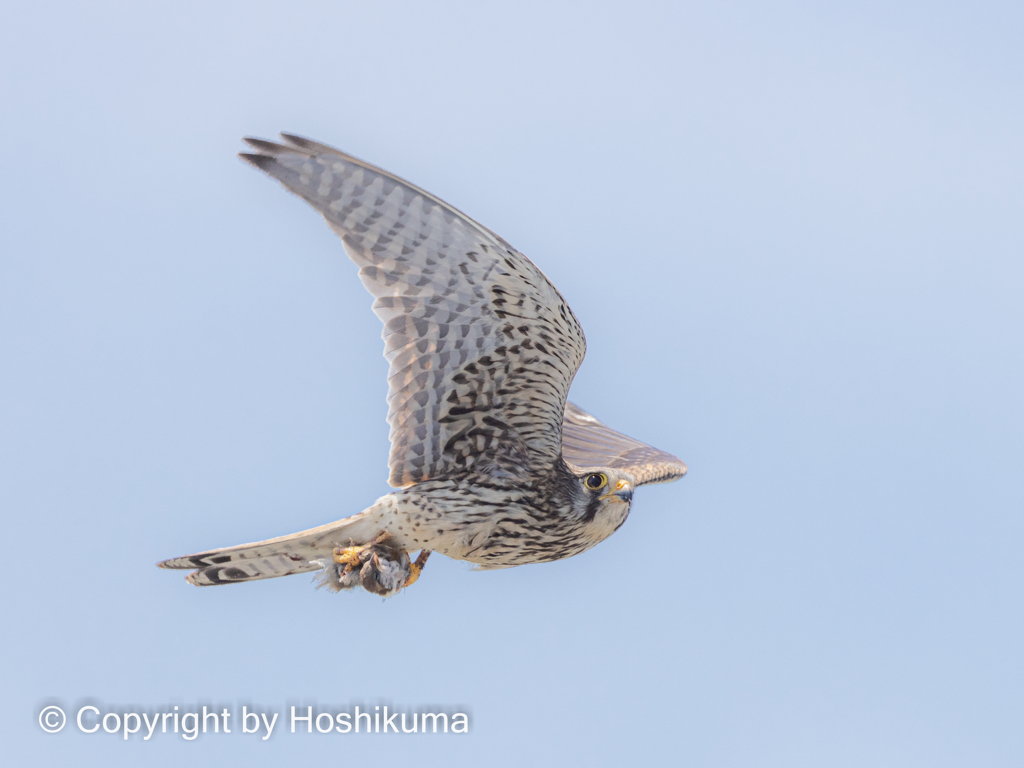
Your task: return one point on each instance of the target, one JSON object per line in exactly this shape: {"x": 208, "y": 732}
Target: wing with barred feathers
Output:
{"x": 589, "y": 444}
{"x": 482, "y": 348}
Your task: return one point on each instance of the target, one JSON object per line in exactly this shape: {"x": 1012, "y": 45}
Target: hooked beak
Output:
{"x": 623, "y": 492}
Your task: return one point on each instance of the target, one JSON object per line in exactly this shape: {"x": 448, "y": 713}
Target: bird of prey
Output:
{"x": 490, "y": 462}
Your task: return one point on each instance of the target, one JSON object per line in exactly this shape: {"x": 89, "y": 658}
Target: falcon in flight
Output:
{"x": 490, "y": 462}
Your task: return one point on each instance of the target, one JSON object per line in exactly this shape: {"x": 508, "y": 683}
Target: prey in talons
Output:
{"x": 380, "y": 566}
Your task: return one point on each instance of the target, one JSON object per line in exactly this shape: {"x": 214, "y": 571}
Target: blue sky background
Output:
{"x": 794, "y": 236}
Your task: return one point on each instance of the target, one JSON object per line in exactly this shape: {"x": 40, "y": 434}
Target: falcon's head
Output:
{"x": 605, "y": 496}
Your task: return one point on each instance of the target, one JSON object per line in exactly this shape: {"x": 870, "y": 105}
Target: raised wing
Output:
{"x": 589, "y": 444}
{"x": 482, "y": 347}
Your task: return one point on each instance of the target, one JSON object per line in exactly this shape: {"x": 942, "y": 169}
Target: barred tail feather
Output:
{"x": 301, "y": 552}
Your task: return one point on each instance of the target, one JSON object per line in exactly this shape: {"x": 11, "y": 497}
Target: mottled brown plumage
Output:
{"x": 493, "y": 465}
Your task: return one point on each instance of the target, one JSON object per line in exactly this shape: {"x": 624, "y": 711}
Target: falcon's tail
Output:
{"x": 301, "y": 552}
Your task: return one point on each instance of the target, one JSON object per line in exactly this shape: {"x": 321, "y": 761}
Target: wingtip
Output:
{"x": 310, "y": 147}
{"x": 292, "y": 144}
{"x": 262, "y": 145}
{"x": 294, "y": 138}
{"x": 301, "y": 142}
{"x": 259, "y": 161}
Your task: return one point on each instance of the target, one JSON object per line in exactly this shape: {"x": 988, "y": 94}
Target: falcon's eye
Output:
{"x": 596, "y": 481}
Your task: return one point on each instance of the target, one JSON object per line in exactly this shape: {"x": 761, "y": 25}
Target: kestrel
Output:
{"x": 491, "y": 463}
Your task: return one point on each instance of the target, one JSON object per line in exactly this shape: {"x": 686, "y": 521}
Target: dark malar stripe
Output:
{"x": 592, "y": 504}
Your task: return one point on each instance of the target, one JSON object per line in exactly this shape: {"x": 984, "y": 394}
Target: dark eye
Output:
{"x": 596, "y": 481}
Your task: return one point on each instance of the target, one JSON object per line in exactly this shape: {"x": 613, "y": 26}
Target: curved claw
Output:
{"x": 356, "y": 555}
{"x": 415, "y": 569}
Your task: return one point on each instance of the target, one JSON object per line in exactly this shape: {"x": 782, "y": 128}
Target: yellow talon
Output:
{"x": 347, "y": 556}
{"x": 350, "y": 556}
{"x": 415, "y": 569}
